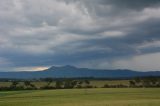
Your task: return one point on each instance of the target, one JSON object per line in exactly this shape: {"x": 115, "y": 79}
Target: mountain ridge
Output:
{"x": 68, "y": 71}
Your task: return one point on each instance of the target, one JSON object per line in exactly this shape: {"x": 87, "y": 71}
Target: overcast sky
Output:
{"x": 101, "y": 34}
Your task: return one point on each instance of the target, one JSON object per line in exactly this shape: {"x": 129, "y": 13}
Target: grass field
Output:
{"x": 82, "y": 97}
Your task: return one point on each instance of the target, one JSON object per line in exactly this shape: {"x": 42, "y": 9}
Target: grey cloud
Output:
{"x": 48, "y": 32}
{"x": 134, "y": 4}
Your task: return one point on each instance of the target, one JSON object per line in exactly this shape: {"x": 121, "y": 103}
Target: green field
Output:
{"x": 82, "y": 97}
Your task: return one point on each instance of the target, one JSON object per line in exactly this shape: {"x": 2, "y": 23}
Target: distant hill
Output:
{"x": 73, "y": 72}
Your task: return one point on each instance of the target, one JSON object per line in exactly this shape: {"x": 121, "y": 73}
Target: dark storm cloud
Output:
{"x": 99, "y": 33}
{"x": 134, "y": 4}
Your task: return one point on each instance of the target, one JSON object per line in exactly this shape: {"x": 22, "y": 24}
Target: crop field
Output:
{"x": 82, "y": 97}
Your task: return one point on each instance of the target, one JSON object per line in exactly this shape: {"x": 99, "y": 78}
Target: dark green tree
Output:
{"x": 49, "y": 81}
{"x": 68, "y": 84}
{"x": 132, "y": 83}
{"x": 74, "y": 83}
{"x": 59, "y": 84}
{"x": 15, "y": 83}
{"x": 29, "y": 84}
{"x": 137, "y": 80}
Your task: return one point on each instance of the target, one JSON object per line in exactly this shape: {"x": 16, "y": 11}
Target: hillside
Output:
{"x": 72, "y": 72}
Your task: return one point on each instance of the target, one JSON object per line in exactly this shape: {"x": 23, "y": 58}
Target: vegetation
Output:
{"x": 79, "y": 97}
{"x": 145, "y": 82}
{"x": 49, "y": 83}
{"x": 31, "y": 92}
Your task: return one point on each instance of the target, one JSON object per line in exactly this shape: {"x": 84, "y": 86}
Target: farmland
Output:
{"x": 82, "y": 97}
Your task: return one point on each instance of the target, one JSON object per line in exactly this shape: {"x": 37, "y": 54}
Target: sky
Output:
{"x": 99, "y": 34}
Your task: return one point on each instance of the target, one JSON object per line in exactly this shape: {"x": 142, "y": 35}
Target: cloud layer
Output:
{"x": 96, "y": 34}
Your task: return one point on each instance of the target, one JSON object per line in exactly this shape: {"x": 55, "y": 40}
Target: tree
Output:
{"x": 137, "y": 80}
{"x": 28, "y": 84}
{"x": 49, "y": 81}
{"x": 153, "y": 81}
{"x": 132, "y": 83}
{"x": 68, "y": 84}
{"x": 106, "y": 86}
{"x": 146, "y": 83}
{"x": 74, "y": 83}
{"x": 14, "y": 84}
{"x": 79, "y": 84}
{"x": 59, "y": 84}
{"x": 86, "y": 82}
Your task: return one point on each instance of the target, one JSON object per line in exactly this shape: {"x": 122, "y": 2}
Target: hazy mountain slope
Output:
{"x": 70, "y": 72}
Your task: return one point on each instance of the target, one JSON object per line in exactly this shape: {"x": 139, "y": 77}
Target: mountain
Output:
{"x": 73, "y": 72}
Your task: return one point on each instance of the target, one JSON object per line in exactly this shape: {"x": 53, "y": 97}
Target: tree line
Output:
{"x": 145, "y": 82}
{"x": 59, "y": 84}
{"x": 137, "y": 82}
